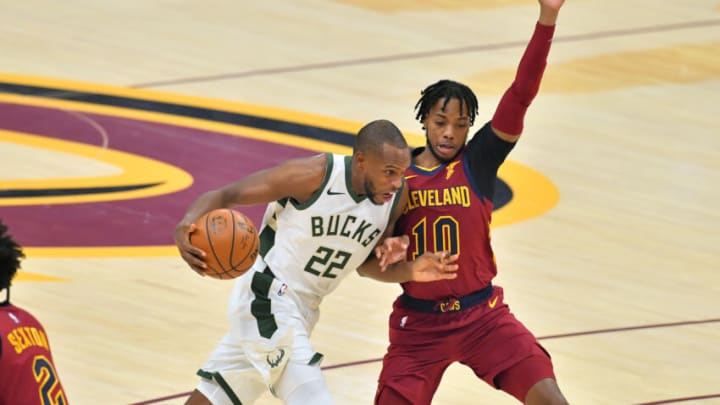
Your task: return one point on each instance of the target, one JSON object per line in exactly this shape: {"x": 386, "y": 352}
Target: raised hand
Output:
{"x": 549, "y": 10}
{"x": 552, "y": 4}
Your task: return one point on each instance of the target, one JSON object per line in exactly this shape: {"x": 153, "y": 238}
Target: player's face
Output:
{"x": 384, "y": 173}
{"x": 446, "y": 130}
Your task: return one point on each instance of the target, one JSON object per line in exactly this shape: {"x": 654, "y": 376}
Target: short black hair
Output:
{"x": 448, "y": 90}
{"x": 375, "y": 134}
{"x": 10, "y": 255}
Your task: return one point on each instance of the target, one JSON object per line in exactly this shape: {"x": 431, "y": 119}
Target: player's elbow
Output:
{"x": 363, "y": 272}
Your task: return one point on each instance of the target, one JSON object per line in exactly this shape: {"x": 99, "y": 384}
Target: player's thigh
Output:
{"x": 302, "y": 369}
{"x": 545, "y": 391}
{"x": 410, "y": 376}
{"x": 534, "y": 373}
{"x": 496, "y": 342}
{"x": 388, "y": 395}
{"x": 302, "y": 384}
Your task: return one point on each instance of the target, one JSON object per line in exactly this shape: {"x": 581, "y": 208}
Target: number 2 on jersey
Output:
{"x": 47, "y": 381}
{"x": 443, "y": 235}
{"x": 319, "y": 266}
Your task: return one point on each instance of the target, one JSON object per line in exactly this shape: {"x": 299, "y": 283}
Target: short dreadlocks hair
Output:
{"x": 10, "y": 255}
{"x": 448, "y": 90}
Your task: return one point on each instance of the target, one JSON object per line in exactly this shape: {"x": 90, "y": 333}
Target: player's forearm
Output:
{"x": 533, "y": 62}
{"x": 395, "y": 273}
{"x": 510, "y": 114}
{"x": 206, "y": 202}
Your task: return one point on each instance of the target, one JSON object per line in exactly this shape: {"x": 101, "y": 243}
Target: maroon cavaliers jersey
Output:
{"x": 27, "y": 371}
{"x": 449, "y": 209}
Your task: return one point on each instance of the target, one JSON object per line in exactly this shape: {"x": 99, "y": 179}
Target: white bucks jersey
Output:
{"x": 314, "y": 244}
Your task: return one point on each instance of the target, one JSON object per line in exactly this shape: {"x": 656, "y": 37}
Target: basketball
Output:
{"x": 230, "y": 242}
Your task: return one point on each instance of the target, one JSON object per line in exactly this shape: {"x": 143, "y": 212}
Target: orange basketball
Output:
{"x": 230, "y": 242}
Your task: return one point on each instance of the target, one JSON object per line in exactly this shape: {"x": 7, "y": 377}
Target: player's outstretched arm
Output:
{"x": 431, "y": 266}
{"x": 296, "y": 178}
{"x": 507, "y": 123}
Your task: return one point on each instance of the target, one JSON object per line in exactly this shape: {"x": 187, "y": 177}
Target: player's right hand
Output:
{"x": 392, "y": 250}
{"x": 434, "y": 266}
{"x": 193, "y": 256}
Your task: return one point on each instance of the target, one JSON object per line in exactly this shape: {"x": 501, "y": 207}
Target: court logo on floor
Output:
{"x": 93, "y": 168}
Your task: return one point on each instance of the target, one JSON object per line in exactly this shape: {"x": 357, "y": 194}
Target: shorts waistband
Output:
{"x": 451, "y": 304}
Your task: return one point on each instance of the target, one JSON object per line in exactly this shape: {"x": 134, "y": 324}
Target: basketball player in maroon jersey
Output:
{"x": 451, "y": 189}
{"x": 27, "y": 370}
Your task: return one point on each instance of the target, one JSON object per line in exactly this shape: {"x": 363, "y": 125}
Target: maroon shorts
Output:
{"x": 487, "y": 338}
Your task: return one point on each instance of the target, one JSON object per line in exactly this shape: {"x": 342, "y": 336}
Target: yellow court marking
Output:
{"x": 31, "y": 163}
{"x": 23, "y": 275}
{"x": 136, "y": 170}
{"x": 186, "y": 122}
{"x": 533, "y": 194}
{"x": 302, "y": 118}
{"x": 102, "y": 251}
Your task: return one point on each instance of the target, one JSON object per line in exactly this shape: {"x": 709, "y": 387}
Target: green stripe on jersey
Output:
{"x": 319, "y": 191}
{"x": 348, "y": 180}
{"x": 260, "y": 307}
{"x": 222, "y": 383}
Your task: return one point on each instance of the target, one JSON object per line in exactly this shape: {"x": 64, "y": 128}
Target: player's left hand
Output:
{"x": 434, "y": 266}
{"x": 392, "y": 250}
{"x": 193, "y": 256}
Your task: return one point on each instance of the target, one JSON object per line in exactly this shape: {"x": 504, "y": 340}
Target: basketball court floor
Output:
{"x": 114, "y": 116}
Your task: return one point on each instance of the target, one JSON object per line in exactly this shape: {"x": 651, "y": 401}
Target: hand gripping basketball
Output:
{"x": 230, "y": 241}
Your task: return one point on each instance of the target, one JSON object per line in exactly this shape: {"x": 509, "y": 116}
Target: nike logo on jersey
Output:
{"x": 330, "y": 192}
{"x": 13, "y": 317}
{"x": 493, "y": 302}
{"x": 411, "y": 176}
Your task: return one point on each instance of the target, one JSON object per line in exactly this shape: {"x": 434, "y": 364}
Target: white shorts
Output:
{"x": 268, "y": 331}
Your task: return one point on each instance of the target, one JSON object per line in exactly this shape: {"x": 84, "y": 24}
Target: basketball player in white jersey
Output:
{"x": 327, "y": 216}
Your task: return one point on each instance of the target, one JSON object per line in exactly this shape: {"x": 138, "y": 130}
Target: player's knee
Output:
{"x": 197, "y": 398}
{"x": 302, "y": 384}
{"x": 545, "y": 392}
{"x": 312, "y": 392}
{"x": 388, "y": 396}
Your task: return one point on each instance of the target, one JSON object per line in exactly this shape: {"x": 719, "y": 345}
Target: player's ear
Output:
{"x": 361, "y": 159}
